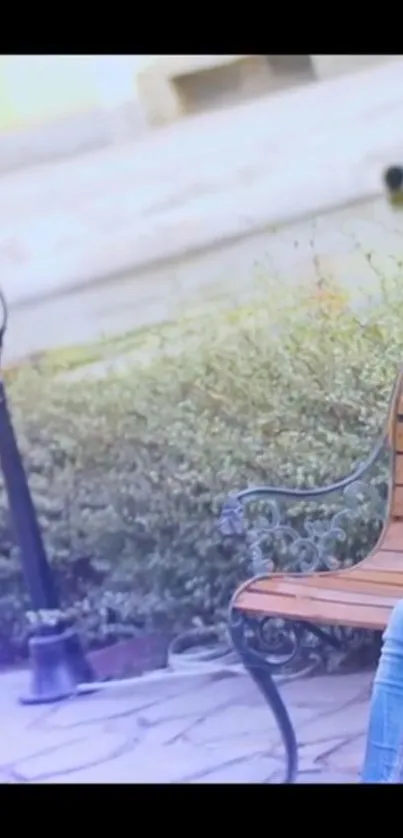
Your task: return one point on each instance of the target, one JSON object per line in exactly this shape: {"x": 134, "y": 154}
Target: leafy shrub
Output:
{"x": 129, "y": 470}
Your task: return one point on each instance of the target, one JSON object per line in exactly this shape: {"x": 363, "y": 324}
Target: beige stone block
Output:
{"x": 327, "y": 66}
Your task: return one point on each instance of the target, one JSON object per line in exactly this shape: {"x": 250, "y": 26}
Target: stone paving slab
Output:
{"x": 205, "y": 729}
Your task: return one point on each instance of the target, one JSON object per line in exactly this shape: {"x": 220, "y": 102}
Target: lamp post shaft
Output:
{"x": 57, "y": 658}
{"x": 38, "y": 575}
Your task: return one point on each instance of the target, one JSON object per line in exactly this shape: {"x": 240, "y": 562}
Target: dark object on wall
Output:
{"x": 393, "y": 181}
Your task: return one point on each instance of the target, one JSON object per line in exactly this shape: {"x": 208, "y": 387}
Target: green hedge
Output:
{"x": 129, "y": 470}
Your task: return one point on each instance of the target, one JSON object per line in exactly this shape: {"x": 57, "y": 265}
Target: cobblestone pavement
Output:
{"x": 204, "y": 729}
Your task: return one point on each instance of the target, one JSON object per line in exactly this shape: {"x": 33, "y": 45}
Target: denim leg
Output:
{"x": 384, "y": 751}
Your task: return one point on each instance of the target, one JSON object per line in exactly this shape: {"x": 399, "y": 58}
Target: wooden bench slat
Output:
{"x": 399, "y": 469}
{"x": 398, "y": 438}
{"x": 385, "y": 560}
{"x": 376, "y": 577}
{"x": 379, "y": 584}
{"x": 393, "y": 537}
{"x": 295, "y": 588}
{"x": 396, "y": 507}
{"x": 316, "y": 611}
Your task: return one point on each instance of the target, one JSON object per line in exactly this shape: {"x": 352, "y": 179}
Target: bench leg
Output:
{"x": 259, "y": 668}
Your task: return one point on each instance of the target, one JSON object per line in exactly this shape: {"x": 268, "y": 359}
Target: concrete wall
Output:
{"x": 74, "y": 134}
{"x": 156, "y": 83}
{"x": 56, "y": 106}
{"x": 327, "y": 66}
{"x": 176, "y": 85}
{"x": 39, "y": 89}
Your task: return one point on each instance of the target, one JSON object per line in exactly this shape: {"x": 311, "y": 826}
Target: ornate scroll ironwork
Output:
{"x": 250, "y": 652}
{"x": 349, "y": 515}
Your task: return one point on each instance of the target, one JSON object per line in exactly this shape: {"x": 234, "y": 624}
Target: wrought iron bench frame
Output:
{"x": 259, "y": 639}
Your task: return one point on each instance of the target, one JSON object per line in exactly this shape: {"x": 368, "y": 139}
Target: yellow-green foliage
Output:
{"x": 129, "y": 470}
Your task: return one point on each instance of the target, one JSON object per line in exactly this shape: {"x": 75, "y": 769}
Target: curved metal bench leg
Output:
{"x": 260, "y": 670}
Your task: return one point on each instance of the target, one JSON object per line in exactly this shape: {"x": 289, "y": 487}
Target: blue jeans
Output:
{"x": 384, "y": 752}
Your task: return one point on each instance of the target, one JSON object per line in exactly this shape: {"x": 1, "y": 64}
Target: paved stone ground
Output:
{"x": 207, "y": 729}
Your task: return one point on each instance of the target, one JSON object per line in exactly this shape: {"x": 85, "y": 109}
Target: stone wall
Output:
{"x": 327, "y": 66}
{"x": 177, "y": 85}
{"x": 57, "y": 106}
{"x": 75, "y": 134}
{"x": 125, "y": 99}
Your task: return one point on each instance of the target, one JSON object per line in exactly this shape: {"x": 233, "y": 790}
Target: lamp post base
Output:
{"x": 58, "y": 665}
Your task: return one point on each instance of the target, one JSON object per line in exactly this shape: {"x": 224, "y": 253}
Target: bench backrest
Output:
{"x": 395, "y": 435}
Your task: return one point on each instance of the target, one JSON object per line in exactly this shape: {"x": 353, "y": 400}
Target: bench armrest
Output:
{"x": 301, "y": 543}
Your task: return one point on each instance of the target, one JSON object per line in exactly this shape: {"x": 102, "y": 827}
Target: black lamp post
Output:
{"x": 57, "y": 658}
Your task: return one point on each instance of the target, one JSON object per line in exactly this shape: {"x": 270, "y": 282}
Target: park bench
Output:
{"x": 275, "y": 614}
